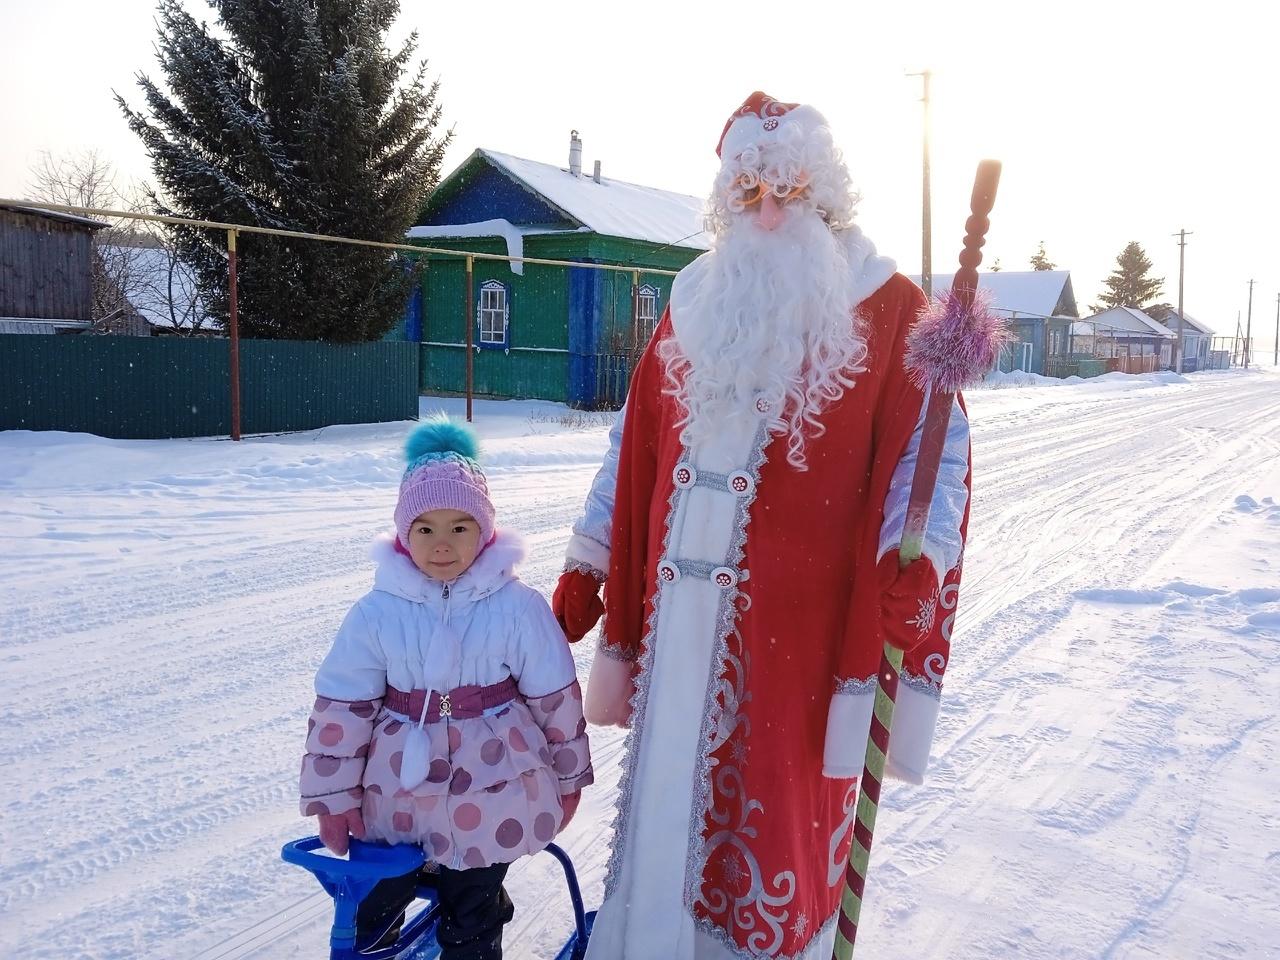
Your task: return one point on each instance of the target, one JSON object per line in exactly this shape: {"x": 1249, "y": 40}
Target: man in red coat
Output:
{"x": 745, "y": 526}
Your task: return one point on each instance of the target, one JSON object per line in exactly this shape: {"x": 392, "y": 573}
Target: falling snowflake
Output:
{"x": 738, "y": 749}
{"x": 801, "y": 925}
{"x": 734, "y": 872}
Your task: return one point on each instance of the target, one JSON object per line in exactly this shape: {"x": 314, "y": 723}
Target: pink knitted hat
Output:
{"x": 443, "y": 474}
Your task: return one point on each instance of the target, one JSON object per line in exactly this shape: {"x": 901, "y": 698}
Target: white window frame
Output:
{"x": 646, "y": 322}
{"x": 493, "y": 314}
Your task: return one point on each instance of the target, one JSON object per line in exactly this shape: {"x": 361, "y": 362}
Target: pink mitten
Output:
{"x": 335, "y": 828}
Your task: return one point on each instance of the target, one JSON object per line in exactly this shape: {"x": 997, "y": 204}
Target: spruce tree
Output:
{"x": 1129, "y": 285}
{"x": 301, "y": 119}
{"x": 1040, "y": 261}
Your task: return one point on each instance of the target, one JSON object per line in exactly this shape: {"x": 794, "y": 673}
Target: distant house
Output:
{"x": 540, "y": 331}
{"x": 1124, "y": 332}
{"x": 1039, "y": 306}
{"x": 1197, "y": 338}
{"x": 161, "y": 292}
{"x": 46, "y": 270}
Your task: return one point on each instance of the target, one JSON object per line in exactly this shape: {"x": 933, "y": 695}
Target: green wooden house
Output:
{"x": 538, "y": 331}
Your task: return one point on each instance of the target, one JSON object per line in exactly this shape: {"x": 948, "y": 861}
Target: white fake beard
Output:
{"x": 772, "y": 317}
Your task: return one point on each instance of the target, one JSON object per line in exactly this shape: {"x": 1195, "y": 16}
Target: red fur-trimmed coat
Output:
{"x": 742, "y": 639}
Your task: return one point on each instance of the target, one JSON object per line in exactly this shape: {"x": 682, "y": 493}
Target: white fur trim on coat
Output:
{"x": 609, "y": 691}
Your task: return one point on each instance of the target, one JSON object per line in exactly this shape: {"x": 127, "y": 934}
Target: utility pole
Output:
{"x": 1275, "y": 356}
{"x": 1248, "y": 327}
{"x": 1182, "y": 260}
{"x": 926, "y": 253}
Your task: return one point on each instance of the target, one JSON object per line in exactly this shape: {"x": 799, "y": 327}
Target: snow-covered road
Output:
{"x": 1104, "y": 781}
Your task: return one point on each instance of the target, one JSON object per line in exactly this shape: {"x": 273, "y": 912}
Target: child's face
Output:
{"x": 444, "y": 543}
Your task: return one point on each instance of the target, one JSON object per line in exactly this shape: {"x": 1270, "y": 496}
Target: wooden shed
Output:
{"x": 46, "y": 265}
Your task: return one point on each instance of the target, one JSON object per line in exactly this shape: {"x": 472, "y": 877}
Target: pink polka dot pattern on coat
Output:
{"x": 565, "y": 762}
{"x": 492, "y": 787}
{"x": 552, "y": 702}
{"x": 330, "y": 734}
{"x": 509, "y": 833}
{"x": 544, "y": 827}
{"x": 467, "y": 816}
{"x": 327, "y": 766}
{"x": 530, "y": 784}
{"x": 460, "y": 783}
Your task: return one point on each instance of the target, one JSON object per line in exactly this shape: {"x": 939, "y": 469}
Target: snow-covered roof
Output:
{"x": 1128, "y": 320}
{"x": 612, "y": 208}
{"x": 1171, "y": 321}
{"x": 57, "y": 215}
{"x": 150, "y": 289}
{"x": 1036, "y": 293}
{"x": 32, "y": 325}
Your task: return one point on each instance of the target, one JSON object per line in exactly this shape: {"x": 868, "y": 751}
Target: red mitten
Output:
{"x": 908, "y": 600}
{"x": 577, "y": 604}
{"x": 569, "y": 802}
{"x": 335, "y": 828}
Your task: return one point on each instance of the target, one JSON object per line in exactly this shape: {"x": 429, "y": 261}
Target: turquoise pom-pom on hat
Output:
{"x": 443, "y": 472}
{"x": 440, "y": 435}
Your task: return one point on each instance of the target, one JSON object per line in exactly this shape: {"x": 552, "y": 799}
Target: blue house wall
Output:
{"x": 487, "y": 194}
{"x": 586, "y": 295}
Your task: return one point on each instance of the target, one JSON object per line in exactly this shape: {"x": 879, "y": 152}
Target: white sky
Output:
{"x": 1115, "y": 121}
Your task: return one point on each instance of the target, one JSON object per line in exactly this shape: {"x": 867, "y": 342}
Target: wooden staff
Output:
{"x": 951, "y": 345}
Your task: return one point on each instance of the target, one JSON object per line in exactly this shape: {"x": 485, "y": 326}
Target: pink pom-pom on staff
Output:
{"x": 953, "y": 345}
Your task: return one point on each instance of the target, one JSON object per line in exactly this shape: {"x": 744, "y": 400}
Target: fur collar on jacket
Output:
{"x": 492, "y": 570}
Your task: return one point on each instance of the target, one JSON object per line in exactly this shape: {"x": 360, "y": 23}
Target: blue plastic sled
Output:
{"x": 349, "y": 881}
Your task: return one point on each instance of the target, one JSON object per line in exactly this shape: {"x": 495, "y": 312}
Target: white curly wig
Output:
{"x": 770, "y": 313}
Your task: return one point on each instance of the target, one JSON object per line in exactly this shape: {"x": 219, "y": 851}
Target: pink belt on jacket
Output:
{"x": 460, "y": 703}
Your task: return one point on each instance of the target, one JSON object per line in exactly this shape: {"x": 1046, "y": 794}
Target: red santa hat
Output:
{"x": 762, "y": 119}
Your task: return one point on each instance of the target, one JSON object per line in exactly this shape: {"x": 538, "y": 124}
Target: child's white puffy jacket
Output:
{"x": 471, "y": 791}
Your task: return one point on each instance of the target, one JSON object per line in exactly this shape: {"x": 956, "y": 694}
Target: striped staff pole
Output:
{"x": 954, "y": 343}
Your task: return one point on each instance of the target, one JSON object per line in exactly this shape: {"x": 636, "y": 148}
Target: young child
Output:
{"x": 448, "y": 712}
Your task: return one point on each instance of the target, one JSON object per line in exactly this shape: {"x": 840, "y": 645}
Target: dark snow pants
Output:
{"x": 473, "y": 910}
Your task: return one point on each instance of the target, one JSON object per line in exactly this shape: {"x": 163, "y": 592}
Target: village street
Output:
{"x": 1108, "y": 734}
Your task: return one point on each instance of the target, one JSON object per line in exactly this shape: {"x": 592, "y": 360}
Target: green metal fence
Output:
{"x": 156, "y": 387}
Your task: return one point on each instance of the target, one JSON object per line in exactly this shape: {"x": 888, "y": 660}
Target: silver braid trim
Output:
{"x": 613, "y": 653}
{"x": 853, "y": 687}
{"x": 635, "y": 736}
{"x": 696, "y": 856}
{"x": 588, "y": 569}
